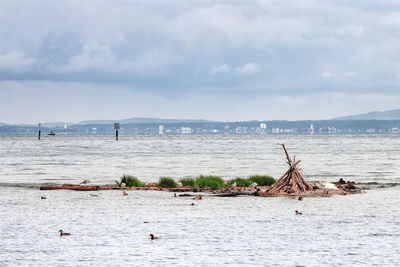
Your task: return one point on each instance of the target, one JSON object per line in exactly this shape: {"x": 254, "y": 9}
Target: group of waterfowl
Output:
{"x": 152, "y": 236}
{"x": 62, "y": 233}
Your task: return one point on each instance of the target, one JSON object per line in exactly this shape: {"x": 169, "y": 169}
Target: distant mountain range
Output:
{"x": 374, "y": 115}
{"x": 141, "y": 120}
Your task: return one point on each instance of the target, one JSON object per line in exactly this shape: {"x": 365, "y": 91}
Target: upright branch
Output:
{"x": 287, "y": 155}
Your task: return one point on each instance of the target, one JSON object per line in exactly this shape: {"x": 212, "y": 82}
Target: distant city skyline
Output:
{"x": 212, "y": 60}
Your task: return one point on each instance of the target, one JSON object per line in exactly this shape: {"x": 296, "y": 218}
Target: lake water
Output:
{"x": 109, "y": 230}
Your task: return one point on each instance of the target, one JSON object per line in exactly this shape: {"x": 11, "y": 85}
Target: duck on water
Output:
{"x": 63, "y": 234}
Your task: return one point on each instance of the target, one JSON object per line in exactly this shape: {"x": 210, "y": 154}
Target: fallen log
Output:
{"x": 72, "y": 187}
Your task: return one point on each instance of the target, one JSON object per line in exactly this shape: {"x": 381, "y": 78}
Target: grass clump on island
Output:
{"x": 187, "y": 181}
{"x": 213, "y": 182}
{"x": 241, "y": 182}
{"x": 262, "y": 180}
{"x": 166, "y": 182}
{"x": 130, "y": 181}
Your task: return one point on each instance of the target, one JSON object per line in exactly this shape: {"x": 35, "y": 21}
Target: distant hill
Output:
{"x": 141, "y": 120}
{"x": 375, "y": 115}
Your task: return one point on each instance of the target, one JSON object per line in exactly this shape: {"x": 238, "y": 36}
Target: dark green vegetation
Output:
{"x": 259, "y": 179}
{"x": 166, "y": 182}
{"x": 241, "y": 182}
{"x": 262, "y": 180}
{"x": 130, "y": 181}
{"x": 213, "y": 182}
{"x": 187, "y": 181}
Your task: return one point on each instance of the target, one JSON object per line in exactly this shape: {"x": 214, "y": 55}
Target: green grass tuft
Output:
{"x": 241, "y": 182}
{"x": 262, "y": 180}
{"x": 166, "y": 182}
{"x": 213, "y": 182}
{"x": 130, "y": 181}
{"x": 187, "y": 181}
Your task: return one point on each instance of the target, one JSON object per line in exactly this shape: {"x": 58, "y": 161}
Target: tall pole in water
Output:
{"x": 116, "y": 127}
{"x": 39, "y": 131}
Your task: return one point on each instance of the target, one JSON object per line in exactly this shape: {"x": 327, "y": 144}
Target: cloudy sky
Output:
{"x": 222, "y": 60}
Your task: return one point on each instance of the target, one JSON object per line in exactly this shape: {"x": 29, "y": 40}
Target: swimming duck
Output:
{"x": 198, "y": 197}
{"x": 153, "y": 237}
{"x": 63, "y": 234}
{"x": 125, "y": 193}
{"x": 42, "y": 197}
{"x": 298, "y": 213}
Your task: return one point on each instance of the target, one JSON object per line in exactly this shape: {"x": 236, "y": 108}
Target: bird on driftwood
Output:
{"x": 199, "y": 197}
{"x": 85, "y": 182}
{"x": 63, "y": 234}
{"x": 153, "y": 237}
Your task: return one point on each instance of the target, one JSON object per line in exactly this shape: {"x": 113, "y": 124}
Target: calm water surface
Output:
{"x": 61, "y": 159}
{"x": 109, "y": 230}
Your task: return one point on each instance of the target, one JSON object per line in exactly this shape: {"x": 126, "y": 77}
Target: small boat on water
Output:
{"x": 52, "y": 133}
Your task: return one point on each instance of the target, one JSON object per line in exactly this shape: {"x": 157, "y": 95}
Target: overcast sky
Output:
{"x": 221, "y": 60}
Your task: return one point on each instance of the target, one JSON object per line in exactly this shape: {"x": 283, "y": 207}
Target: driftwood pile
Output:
{"x": 292, "y": 182}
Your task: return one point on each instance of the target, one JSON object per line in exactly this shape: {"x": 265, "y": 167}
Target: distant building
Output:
{"x": 186, "y": 130}
{"x": 160, "y": 129}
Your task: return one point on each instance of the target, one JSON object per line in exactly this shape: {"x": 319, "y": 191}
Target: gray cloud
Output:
{"x": 183, "y": 48}
{"x": 16, "y": 62}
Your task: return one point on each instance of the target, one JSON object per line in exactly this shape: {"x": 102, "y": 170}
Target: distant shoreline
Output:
{"x": 211, "y": 128}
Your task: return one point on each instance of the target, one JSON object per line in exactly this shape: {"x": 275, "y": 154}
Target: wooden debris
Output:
{"x": 292, "y": 182}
